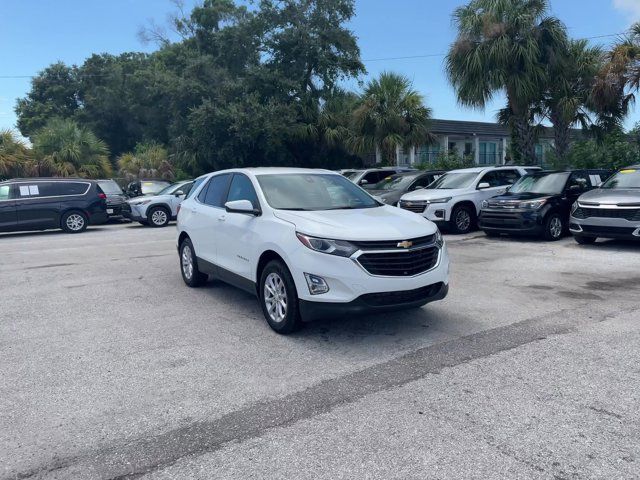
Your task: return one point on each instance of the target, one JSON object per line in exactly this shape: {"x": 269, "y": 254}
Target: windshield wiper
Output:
{"x": 296, "y": 209}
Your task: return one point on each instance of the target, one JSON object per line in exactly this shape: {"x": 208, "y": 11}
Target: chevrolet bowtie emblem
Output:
{"x": 405, "y": 244}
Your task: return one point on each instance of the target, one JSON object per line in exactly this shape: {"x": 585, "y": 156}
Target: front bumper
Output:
{"x": 137, "y": 213}
{"x": 374, "y": 303}
{"x": 605, "y": 228}
{"x": 527, "y": 222}
{"x": 348, "y": 280}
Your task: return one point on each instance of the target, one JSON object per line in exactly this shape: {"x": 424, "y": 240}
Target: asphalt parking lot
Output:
{"x": 111, "y": 367}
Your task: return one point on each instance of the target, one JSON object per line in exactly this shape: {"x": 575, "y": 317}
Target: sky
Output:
{"x": 34, "y": 34}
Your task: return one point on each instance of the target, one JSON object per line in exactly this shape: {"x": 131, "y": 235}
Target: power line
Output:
{"x": 407, "y": 57}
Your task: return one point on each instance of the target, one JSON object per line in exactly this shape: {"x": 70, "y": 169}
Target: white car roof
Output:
{"x": 483, "y": 169}
{"x": 275, "y": 170}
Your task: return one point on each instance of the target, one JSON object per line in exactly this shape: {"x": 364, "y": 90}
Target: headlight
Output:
{"x": 340, "y": 248}
{"x": 439, "y": 239}
{"x": 532, "y": 205}
{"x": 574, "y": 207}
{"x": 484, "y": 204}
{"x": 141, "y": 202}
{"x": 440, "y": 200}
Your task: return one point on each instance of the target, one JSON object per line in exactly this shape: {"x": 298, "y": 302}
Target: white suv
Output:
{"x": 455, "y": 198}
{"x": 309, "y": 244}
{"x": 159, "y": 209}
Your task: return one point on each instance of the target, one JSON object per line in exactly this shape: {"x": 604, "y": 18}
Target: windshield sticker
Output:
{"x": 33, "y": 190}
{"x": 628, "y": 170}
{"x": 24, "y": 191}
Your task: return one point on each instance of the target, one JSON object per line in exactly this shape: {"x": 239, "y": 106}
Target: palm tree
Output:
{"x": 502, "y": 46}
{"x": 15, "y": 156}
{"x": 391, "y": 114}
{"x": 567, "y": 99}
{"x": 149, "y": 160}
{"x": 65, "y": 149}
{"x": 617, "y": 81}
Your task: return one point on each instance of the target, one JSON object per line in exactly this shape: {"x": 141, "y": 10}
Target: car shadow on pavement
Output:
{"x": 42, "y": 233}
{"x": 388, "y": 331}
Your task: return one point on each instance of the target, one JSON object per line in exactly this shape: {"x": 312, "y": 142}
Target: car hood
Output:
{"x": 522, "y": 196}
{"x": 432, "y": 194}
{"x": 611, "y": 196}
{"x": 381, "y": 223}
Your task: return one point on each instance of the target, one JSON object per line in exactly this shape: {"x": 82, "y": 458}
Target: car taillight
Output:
{"x": 102, "y": 196}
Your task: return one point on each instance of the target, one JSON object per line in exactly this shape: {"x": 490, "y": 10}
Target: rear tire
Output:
{"x": 74, "y": 222}
{"x": 462, "y": 219}
{"x": 189, "y": 265}
{"x": 553, "y": 227}
{"x": 279, "y": 298}
{"x": 158, "y": 217}
{"x": 582, "y": 240}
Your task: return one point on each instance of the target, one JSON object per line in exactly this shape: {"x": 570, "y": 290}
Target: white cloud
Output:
{"x": 629, "y": 7}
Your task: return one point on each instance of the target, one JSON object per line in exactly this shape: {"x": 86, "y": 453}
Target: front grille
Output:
{"x": 393, "y": 244}
{"x": 388, "y": 299}
{"x": 416, "y": 207}
{"x": 631, "y": 214}
{"x": 404, "y": 263}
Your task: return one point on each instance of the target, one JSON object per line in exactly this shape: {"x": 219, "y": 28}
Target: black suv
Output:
{"x": 116, "y": 199}
{"x": 48, "y": 203}
{"x": 539, "y": 203}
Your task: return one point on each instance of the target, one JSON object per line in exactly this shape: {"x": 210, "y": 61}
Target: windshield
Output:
{"x": 454, "y": 180}
{"x": 551, "y": 183}
{"x": 395, "y": 182}
{"x": 171, "y": 189}
{"x": 152, "y": 188}
{"x": 626, "y": 178}
{"x": 311, "y": 191}
{"x": 110, "y": 187}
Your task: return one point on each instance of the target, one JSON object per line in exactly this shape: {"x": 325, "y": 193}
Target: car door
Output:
{"x": 578, "y": 183}
{"x": 8, "y": 217}
{"x": 495, "y": 188}
{"x": 38, "y": 204}
{"x": 238, "y": 231}
{"x": 207, "y": 211}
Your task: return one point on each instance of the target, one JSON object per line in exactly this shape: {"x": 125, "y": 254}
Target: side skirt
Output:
{"x": 226, "y": 276}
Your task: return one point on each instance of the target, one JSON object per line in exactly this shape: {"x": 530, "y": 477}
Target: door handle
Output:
{"x": 222, "y": 218}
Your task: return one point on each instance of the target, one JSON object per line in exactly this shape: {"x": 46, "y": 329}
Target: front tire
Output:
{"x": 582, "y": 240}
{"x": 462, "y": 219}
{"x": 74, "y": 222}
{"x": 553, "y": 227}
{"x": 158, "y": 217}
{"x": 279, "y": 298}
{"x": 189, "y": 265}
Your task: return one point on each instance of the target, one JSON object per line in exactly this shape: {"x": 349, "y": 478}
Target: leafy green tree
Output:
{"x": 54, "y": 93}
{"x": 391, "y": 114}
{"x": 502, "y": 46}
{"x": 63, "y": 148}
{"x": 15, "y": 156}
{"x": 613, "y": 150}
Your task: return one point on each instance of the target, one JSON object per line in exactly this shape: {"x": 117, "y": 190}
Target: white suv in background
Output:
{"x": 308, "y": 244}
{"x": 159, "y": 209}
{"x": 455, "y": 198}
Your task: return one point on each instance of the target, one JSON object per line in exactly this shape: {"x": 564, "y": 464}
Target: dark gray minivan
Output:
{"x": 70, "y": 204}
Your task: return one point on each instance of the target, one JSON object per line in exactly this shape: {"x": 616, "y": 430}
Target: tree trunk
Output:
{"x": 561, "y": 138}
{"x": 526, "y": 139}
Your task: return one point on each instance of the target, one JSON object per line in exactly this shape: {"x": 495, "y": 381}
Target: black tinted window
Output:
{"x": 216, "y": 191}
{"x": 507, "y": 177}
{"x": 242, "y": 189}
{"x": 186, "y": 188}
{"x": 50, "y": 189}
{"x": 579, "y": 181}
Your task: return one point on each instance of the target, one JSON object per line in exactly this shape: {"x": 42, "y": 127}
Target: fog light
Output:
{"x": 439, "y": 213}
{"x": 317, "y": 285}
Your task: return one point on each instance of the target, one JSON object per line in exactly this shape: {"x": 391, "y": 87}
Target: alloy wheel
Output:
{"x": 75, "y": 222}
{"x": 275, "y": 297}
{"x": 159, "y": 217}
{"x": 187, "y": 262}
{"x": 555, "y": 227}
{"x": 463, "y": 220}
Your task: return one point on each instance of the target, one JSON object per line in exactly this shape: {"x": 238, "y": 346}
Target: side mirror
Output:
{"x": 241, "y": 206}
{"x": 179, "y": 193}
{"x": 364, "y": 182}
{"x": 483, "y": 185}
{"x": 575, "y": 188}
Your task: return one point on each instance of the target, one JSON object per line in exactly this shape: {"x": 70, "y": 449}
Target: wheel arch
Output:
{"x": 266, "y": 257}
{"x": 466, "y": 203}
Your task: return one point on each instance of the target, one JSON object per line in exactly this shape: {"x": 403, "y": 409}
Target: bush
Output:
{"x": 449, "y": 161}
